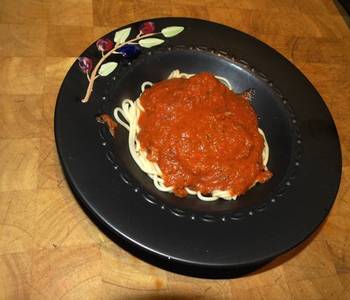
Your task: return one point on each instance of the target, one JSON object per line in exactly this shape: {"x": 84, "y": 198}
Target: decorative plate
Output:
{"x": 186, "y": 235}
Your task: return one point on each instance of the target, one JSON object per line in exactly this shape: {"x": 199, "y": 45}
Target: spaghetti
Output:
{"x": 128, "y": 115}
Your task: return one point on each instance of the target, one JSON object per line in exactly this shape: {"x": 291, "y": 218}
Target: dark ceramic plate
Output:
{"x": 216, "y": 239}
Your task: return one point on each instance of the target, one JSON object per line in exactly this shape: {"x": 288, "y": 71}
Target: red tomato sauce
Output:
{"x": 202, "y": 135}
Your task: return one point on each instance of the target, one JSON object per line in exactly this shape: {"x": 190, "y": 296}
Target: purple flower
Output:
{"x": 104, "y": 45}
{"x": 129, "y": 51}
{"x": 85, "y": 64}
{"x": 147, "y": 27}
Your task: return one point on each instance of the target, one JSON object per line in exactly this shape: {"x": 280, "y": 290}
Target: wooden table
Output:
{"x": 49, "y": 248}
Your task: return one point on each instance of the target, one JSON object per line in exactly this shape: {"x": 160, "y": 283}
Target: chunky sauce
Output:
{"x": 202, "y": 135}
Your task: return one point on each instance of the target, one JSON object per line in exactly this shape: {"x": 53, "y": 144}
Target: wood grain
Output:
{"x": 70, "y": 12}
{"x": 22, "y": 40}
{"x": 49, "y": 249}
{"x": 31, "y": 80}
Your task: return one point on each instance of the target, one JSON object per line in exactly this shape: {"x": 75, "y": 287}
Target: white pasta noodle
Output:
{"x": 130, "y": 112}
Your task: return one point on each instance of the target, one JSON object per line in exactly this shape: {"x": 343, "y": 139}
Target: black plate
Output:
{"x": 216, "y": 239}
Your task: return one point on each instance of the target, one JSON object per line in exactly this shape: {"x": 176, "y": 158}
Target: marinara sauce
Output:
{"x": 202, "y": 135}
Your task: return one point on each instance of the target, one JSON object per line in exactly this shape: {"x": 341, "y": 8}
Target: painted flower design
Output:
{"x": 85, "y": 64}
{"x": 147, "y": 27}
{"x": 104, "y": 45}
{"x": 123, "y": 44}
{"x": 129, "y": 51}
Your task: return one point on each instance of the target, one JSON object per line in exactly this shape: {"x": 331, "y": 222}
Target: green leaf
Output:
{"x": 172, "y": 31}
{"x": 107, "y": 68}
{"x": 121, "y": 35}
{"x": 150, "y": 42}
